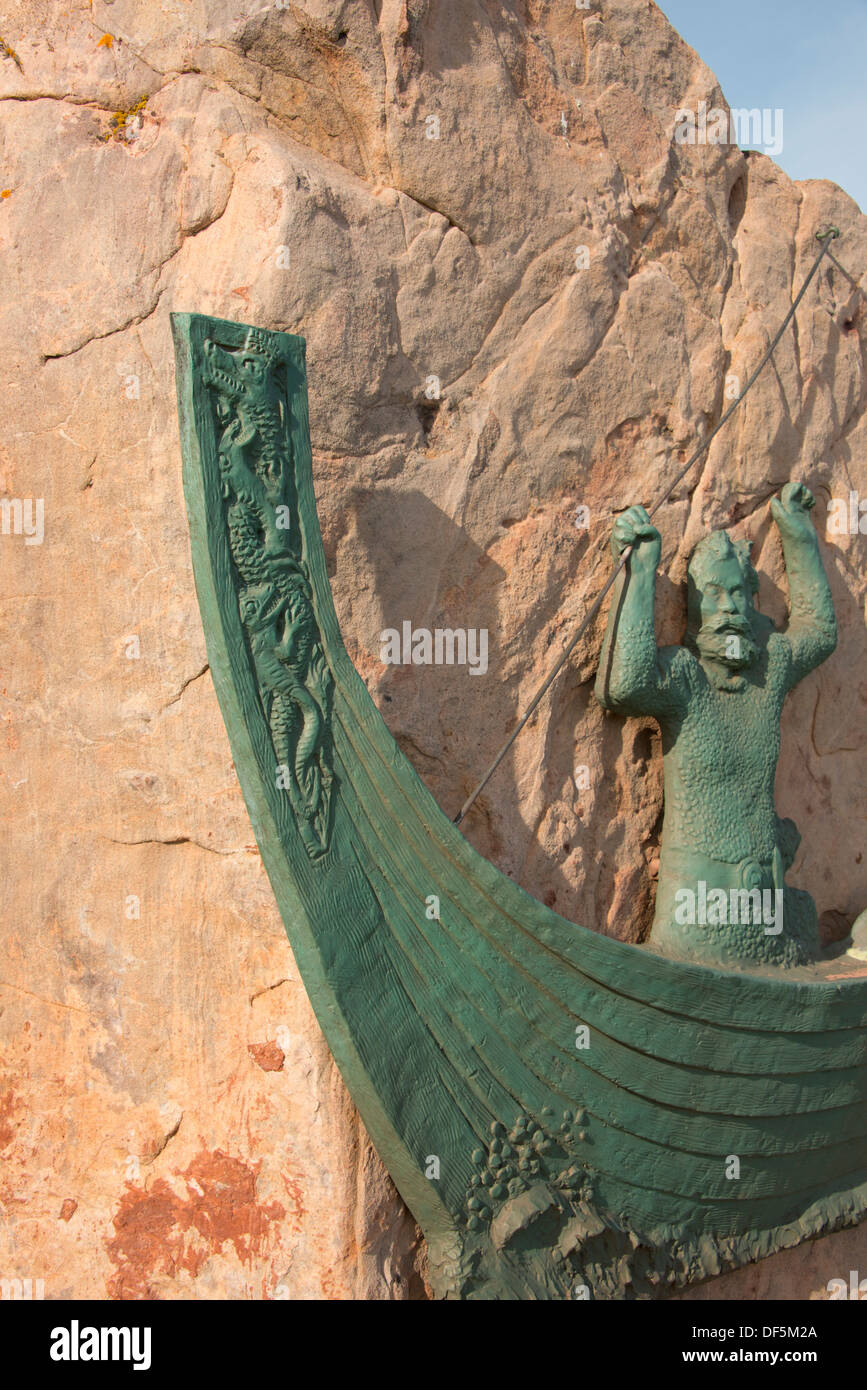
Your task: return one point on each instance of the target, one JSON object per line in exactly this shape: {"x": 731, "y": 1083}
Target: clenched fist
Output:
{"x": 791, "y": 512}
{"x": 635, "y": 528}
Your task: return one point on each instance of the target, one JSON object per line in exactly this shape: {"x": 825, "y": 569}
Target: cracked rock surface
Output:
{"x": 412, "y": 185}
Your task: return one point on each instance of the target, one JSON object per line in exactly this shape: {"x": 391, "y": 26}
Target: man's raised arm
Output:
{"x": 812, "y": 630}
{"x": 630, "y": 676}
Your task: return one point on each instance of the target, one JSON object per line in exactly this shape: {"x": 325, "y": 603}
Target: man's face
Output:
{"x": 726, "y": 633}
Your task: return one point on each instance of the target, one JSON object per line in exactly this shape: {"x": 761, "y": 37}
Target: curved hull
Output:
{"x": 562, "y": 1112}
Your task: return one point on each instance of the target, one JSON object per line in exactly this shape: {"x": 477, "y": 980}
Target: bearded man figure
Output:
{"x": 722, "y": 897}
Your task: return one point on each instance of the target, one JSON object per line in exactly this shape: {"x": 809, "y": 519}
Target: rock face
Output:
{"x": 524, "y": 303}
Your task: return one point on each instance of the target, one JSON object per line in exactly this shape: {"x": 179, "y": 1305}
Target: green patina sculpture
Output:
{"x": 560, "y": 1110}
{"x": 274, "y": 595}
{"x": 722, "y": 896}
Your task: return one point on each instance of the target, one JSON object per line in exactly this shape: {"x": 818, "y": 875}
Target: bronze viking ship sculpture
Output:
{"x": 565, "y": 1114}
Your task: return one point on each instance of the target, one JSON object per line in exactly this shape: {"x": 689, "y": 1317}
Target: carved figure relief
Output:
{"x": 275, "y": 598}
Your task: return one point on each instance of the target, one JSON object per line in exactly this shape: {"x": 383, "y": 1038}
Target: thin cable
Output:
{"x": 843, "y": 271}
{"x": 826, "y": 238}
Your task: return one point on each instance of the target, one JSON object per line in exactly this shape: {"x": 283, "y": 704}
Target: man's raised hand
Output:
{"x": 791, "y": 512}
{"x": 635, "y": 528}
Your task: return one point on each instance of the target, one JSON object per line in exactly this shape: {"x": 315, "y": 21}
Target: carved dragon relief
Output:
{"x": 275, "y": 598}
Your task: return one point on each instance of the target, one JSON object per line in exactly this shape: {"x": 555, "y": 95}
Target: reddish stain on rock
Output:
{"x": 268, "y": 1055}
{"x": 296, "y": 1197}
{"x": 159, "y": 1233}
{"x": 7, "y": 1128}
{"x": 68, "y": 1210}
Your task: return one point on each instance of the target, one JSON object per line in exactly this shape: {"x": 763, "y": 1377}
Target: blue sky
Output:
{"x": 809, "y": 59}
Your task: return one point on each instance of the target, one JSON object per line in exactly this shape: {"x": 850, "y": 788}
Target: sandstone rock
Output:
{"x": 283, "y": 170}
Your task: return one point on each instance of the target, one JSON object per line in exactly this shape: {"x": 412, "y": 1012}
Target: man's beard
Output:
{"x": 717, "y": 644}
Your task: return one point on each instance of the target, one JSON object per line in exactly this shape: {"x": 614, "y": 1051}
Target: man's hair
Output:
{"x": 707, "y": 554}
